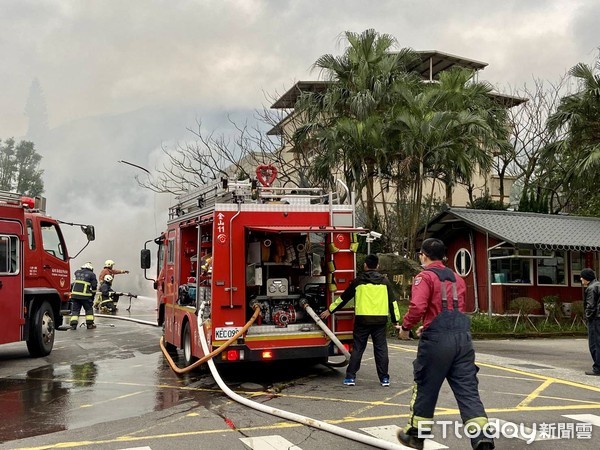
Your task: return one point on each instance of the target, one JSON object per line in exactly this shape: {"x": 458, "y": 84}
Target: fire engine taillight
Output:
{"x": 233, "y": 355}
{"x": 267, "y": 354}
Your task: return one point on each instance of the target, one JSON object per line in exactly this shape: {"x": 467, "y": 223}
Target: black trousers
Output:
{"x": 594, "y": 342}
{"x": 87, "y": 305}
{"x": 361, "y": 334}
{"x": 446, "y": 353}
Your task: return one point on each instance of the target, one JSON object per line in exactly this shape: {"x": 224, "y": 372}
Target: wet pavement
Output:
{"x": 91, "y": 376}
{"x": 114, "y": 372}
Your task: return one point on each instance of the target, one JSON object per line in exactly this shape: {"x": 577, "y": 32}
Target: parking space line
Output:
{"x": 272, "y": 442}
{"x": 388, "y": 433}
{"x": 531, "y": 397}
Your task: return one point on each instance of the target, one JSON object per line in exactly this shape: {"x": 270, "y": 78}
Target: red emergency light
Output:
{"x": 267, "y": 354}
{"x": 28, "y": 202}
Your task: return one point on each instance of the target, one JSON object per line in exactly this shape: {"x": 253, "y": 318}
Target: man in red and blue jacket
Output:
{"x": 445, "y": 351}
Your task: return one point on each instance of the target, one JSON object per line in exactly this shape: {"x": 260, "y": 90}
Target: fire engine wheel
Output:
{"x": 41, "y": 331}
{"x": 187, "y": 346}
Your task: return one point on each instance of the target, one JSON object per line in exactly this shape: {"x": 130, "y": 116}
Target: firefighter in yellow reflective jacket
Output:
{"x": 82, "y": 295}
{"x": 373, "y": 302}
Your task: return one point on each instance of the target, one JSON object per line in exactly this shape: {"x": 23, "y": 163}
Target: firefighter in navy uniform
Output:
{"x": 373, "y": 302}
{"x": 82, "y": 295}
{"x": 108, "y": 297}
{"x": 445, "y": 350}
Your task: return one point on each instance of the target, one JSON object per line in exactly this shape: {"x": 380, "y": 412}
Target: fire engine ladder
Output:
{"x": 203, "y": 200}
{"x": 10, "y": 197}
{"x": 342, "y": 258}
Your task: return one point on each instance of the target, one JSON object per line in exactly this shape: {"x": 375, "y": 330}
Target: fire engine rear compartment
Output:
{"x": 273, "y": 267}
{"x": 234, "y": 248}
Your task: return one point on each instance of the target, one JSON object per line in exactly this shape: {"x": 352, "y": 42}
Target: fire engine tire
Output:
{"x": 41, "y": 331}
{"x": 186, "y": 344}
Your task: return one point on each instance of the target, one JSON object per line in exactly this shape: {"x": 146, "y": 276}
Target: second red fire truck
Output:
{"x": 34, "y": 273}
{"x": 234, "y": 247}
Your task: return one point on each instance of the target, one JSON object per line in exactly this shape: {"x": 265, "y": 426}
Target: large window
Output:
{"x": 551, "y": 268}
{"x": 509, "y": 266}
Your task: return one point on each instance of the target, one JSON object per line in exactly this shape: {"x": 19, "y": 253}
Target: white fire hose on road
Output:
{"x": 324, "y": 426}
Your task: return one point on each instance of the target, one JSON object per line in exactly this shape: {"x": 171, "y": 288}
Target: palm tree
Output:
{"x": 428, "y": 139}
{"x": 346, "y": 121}
{"x": 580, "y": 115}
{"x": 573, "y": 161}
{"x": 459, "y": 93}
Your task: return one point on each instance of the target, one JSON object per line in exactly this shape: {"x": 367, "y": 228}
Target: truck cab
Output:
{"x": 34, "y": 273}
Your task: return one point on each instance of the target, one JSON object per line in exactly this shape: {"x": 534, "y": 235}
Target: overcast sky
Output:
{"x": 111, "y": 66}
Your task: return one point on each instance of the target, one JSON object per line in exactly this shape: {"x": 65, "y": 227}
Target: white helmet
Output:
{"x": 109, "y": 263}
{"x": 108, "y": 278}
{"x": 88, "y": 265}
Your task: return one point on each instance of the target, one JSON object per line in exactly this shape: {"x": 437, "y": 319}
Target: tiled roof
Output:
{"x": 543, "y": 231}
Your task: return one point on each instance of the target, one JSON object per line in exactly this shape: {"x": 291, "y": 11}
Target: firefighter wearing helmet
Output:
{"x": 82, "y": 295}
{"x": 109, "y": 298}
{"x": 108, "y": 269}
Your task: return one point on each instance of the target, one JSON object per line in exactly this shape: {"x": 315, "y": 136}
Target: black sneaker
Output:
{"x": 591, "y": 372}
{"x": 409, "y": 440}
{"x": 484, "y": 444}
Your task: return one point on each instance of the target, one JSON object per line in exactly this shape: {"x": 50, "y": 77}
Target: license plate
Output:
{"x": 225, "y": 333}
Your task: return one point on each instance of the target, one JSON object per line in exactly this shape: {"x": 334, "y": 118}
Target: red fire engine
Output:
{"x": 233, "y": 247}
{"x": 34, "y": 273}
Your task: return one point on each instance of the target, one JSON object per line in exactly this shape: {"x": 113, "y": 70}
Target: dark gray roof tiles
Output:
{"x": 542, "y": 231}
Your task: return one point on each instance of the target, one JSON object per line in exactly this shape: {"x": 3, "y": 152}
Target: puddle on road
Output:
{"x": 68, "y": 396}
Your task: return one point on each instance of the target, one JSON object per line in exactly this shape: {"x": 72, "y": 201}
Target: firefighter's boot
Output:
{"x": 73, "y": 325}
{"x": 410, "y": 438}
{"x": 91, "y": 326}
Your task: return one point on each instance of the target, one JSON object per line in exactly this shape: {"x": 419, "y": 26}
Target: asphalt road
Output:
{"x": 111, "y": 388}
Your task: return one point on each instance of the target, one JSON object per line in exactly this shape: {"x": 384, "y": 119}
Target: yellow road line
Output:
{"x": 531, "y": 397}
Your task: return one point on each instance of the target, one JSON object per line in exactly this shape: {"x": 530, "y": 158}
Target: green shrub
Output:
{"x": 524, "y": 305}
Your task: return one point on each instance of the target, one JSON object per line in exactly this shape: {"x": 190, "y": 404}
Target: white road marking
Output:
{"x": 587, "y": 418}
{"x": 137, "y": 448}
{"x": 388, "y": 433}
{"x": 274, "y": 442}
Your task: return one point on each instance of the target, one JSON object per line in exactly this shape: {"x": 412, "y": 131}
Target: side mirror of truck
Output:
{"x": 89, "y": 232}
{"x": 145, "y": 259}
